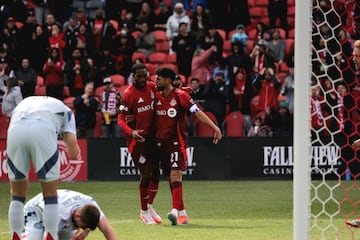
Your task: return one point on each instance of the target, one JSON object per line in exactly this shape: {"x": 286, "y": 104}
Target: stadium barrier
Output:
{"x": 233, "y": 158}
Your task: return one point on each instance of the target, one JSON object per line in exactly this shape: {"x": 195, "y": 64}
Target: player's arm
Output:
{"x": 205, "y": 119}
{"x": 106, "y": 229}
{"x": 72, "y": 146}
{"x": 356, "y": 144}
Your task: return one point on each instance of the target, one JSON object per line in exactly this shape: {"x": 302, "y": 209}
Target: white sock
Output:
{"x": 182, "y": 213}
{"x": 50, "y": 217}
{"x": 174, "y": 212}
{"x": 16, "y": 217}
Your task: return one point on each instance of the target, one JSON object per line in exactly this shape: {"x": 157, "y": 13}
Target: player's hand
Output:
{"x": 80, "y": 235}
{"x": 130, "y": 118}
{"x": 136, "y": 135}
{"x": 356, "y": 144}
{"x": 217, "y": 136}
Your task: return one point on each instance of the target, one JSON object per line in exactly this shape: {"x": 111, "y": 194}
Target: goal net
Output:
{"x": 335, "y": 120}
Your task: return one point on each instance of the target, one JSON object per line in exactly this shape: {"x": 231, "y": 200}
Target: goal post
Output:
{"x": 302, "y": 140}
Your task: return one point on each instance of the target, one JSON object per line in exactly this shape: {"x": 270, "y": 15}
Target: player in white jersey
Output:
{"x": 34, "y": 128}
{"x": 76, "y": 210}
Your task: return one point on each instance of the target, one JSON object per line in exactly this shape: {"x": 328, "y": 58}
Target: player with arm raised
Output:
{"x": 137, "y": 101}
{"x": 171, "y": 105}
{"x": 32, "y": 136}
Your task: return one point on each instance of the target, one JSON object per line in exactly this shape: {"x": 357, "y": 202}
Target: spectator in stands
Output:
{"x": 184, "y": 45}
{"x": 172, "y": 24}
{"x": 201, "y": 21}
{"x": 147, "y": 15}
{"x": 27, "y": 78}
{"x": 277, "y": 9}
{"x": 57, "y": 40}
{"x": 41, "y": 49}
{"x": 49, "y": 21}
{"x": 278, "y": 46}
{"x": 76, "y": 73}
{"x": 267, "y": 86}
{"x": 110, "y": 108}
{"x": 280, "y": 121}
{"x": 11, "y": 98}
{"x": 5, "y": 72}
{"x": 97, "y": 26}
{"x": 200, "y": 65}
{"x": 145, "y": 39}
{"x": 53, "y": 74}
{"x": 10, "y": 34}
{"x": 42, "y": 9}
{"x": 95, "y": 74}
{"x": 238, "y": 59}
{"x": 317, "y": 108}
{"x": 82, "y": 17}
{"x": 86, "y": 107}
{"x": 127, "y": 22}
{"x": 261, "y": 28}
{"x": 258, "y": 129}
{"x": 70, "y": 31}
{"x": 212, "y": 37}
{"x": 162, "y": 16}
{"x": 124, "y": 47}
{"x": 85, "y": 41}
{"x": 287, "y": 89}
{"x": 262, "y": 57}
{"x": 240, "y": 36}
{"x": 216, "y": 94}
{"x": 197, "y": 91}
{"x": 105, "y": 61}
{"x": 25, "y": 47}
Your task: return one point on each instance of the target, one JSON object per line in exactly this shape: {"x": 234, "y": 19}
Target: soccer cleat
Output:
{"x": 353, "y": 223}
{"x": 183, "y": 220}
{"x": 157, "y": 219}
{"x": 145, "y": 216}
{"x": 172, "y": 218}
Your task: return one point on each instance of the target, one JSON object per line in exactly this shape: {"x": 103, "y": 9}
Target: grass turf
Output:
{"x": 218, "y": 210}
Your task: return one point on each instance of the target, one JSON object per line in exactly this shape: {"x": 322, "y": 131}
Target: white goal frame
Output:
{"x": 302, "y": 126}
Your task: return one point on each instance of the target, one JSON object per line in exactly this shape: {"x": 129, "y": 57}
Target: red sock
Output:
{"x": 15, "y": 237}
{"x": 49, "y": 237}
{"x": 144, "y": 196}
{"x": 153, "y": 189}
{"x": 176, "y": 194}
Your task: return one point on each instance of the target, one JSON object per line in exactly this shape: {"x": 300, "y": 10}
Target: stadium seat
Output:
{"x": 233, "y": 125}
{"x": 222, "y": 33}
{"x": 98, "y": 125}
{"x": 69, "y": 101}
{"x": 4, "y": 124}
{"x": 251, "y": 3}
{"x": 139, "y": 55}
{"x": 291, "y": 11}
{"x": 160, "y": 35}
{"x": 203, "y": 130}
{"x": 118, "y": 80}
{"x": 40, "y": 91}
{"x": 250, "y": 46}
{"x": 172, "y": 58}
{"x": 289, "y": 45}
{"x": 291, "y": 33}
{"x": 261, "y": 3}
{"x": 91, "y": 7}
{"x": 151, "y": 68}
{"x": 115, "y": 24}
{"x": 231, "y": 32}
{"x": 253, "y": 106}
{"x": 282, "y": 33}
{"x": 158, "y": 58}
{"x": 66, "y": 92}
{"x": 252, "y": 34}
{"x": 258, "y": 12}
{"x": 99, "y": 90}
{"x": 227, "y": 47}
{"x": 121, "y": 89}
{"x": 162, "y": 46}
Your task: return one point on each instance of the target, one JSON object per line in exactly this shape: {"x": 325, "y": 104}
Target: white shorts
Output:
{"x": 32, "y": 140}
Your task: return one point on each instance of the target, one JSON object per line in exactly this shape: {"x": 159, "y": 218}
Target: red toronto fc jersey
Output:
{"x": 139, "y": 102}
{"x": 170, "y": 116}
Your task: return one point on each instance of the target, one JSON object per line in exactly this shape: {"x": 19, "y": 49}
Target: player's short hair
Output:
{"x": 166, "y": 72}
{"x": 138, "y": 66}
{"x": 90, "y": 215}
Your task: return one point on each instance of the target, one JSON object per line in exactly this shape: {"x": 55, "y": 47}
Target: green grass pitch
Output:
{"x": 218, "y": 210}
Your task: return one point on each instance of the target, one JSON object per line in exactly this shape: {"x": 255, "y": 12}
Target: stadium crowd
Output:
{"x": 242, "y": 65}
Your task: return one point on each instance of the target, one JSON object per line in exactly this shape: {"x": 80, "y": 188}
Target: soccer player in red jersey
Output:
{"x": 137, "y": 101}
{"x": 171, "y": 105}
